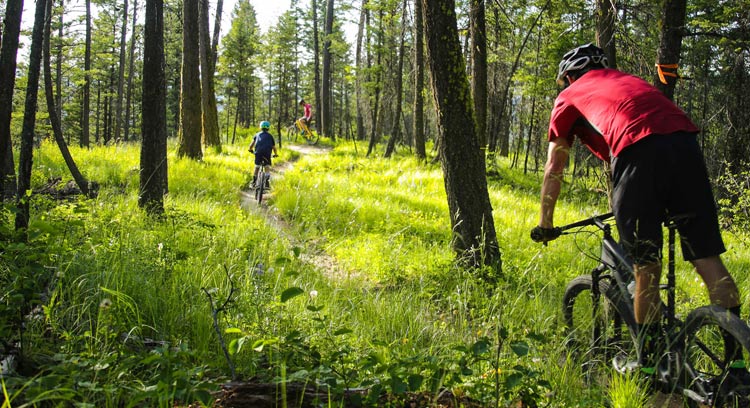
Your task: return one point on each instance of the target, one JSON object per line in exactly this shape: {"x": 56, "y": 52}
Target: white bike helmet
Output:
{"x": 585, "y": 56}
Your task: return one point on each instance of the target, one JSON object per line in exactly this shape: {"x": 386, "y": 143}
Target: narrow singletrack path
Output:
{"x": 312, "y": 253}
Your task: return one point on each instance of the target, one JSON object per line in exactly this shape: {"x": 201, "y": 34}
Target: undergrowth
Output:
{"x": 106, "y": 307}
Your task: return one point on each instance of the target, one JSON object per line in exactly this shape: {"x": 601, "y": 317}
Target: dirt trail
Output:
{"x": 312, "y": 253}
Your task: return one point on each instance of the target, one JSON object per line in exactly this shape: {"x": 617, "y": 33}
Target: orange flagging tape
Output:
{"x": 660, "y": 70}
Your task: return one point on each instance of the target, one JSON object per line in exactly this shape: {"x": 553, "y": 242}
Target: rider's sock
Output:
{"x": 649, "y": 338}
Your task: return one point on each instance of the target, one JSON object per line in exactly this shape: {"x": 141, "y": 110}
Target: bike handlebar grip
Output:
{"x": 541, "y": 234}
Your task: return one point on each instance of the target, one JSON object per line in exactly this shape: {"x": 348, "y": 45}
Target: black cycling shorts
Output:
{"x": 661, "y": 176}
{"x": 262, "y": 158}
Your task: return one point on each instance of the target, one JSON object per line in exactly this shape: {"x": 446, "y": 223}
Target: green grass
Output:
{"x": 388, "y": 309}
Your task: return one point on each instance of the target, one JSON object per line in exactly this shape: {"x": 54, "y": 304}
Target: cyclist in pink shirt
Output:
{"x": 304, "y": 122}
{"x": 657, "y": 171}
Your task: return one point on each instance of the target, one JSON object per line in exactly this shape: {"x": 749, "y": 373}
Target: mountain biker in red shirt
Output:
{"x": 304, "y": 121}
{"x": 657, "y": 171}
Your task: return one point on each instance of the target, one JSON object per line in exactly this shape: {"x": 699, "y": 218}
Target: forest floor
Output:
{"x": 312, "y": 253}
{"x": 260, "y": 395}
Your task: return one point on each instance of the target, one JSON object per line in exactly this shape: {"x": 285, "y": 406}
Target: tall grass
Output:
{"x": 356, "y": 287}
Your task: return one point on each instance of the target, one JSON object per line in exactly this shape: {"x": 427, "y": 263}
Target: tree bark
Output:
{"x": 326, "y": 101}
{"x": 153, "y": 167}
{"x": 316, "y": 62}
{"x": 606, "y": 13}
{"x": 54, "y": 117}
{"x": 25, "y": 157}
{"x": 121, "y": 73}
{"x": 217, "y": 33}
{"x": 86, "y": 108}
{"x": 419, "y": 143}
{"x": 463, "y": 164}
{"x": 670, "y": 44}
{"x": 378, "y": 85}
{"x": 131, "y": 62}
{"x": 396, "y": 129}
{"x": 190, "y": 86}
{"x": 360, "y": 74}
{"x": 210, "y": 119}
{"x": 479, "y": 68}
{"x": 8, "y": 57}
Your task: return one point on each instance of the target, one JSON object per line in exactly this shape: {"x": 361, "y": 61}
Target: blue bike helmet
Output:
{"x": 265, "y": 125}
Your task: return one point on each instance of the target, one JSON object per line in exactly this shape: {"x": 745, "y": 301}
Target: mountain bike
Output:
{"x": 310, "y": 135}
{"x": 600, "y": 322}
{"x": 262, "y": 181}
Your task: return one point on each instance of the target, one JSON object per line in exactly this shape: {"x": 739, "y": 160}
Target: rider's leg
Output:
{"x": 721, "y": 287}
{"x": 722, "y": 291}
{"x": 305, "y": 129}
{"x": 255, "y": 175}
{"x": 647, "y": 309}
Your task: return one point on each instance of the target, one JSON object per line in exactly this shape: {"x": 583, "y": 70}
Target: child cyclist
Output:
{"x": 304, "y": 121}
{"x": 262, "y": 145}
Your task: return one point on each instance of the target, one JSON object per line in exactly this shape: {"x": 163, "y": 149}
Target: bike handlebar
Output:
{"x": 597, "y": 220}
{"x": 539, "y": 234}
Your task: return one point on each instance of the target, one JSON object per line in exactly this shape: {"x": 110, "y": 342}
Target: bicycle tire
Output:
{"x": 313, "y": 139}
{"x": 704, "y": 364}
{"x": 614, "y": 337}
{"x": 261, "y": 186}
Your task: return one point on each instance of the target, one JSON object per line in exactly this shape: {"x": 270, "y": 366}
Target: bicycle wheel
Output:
{"x": 595, "y": 331}
{"x": 705, "y": 369}
{"x": 312, "y": 138}
{"x": 261, "y": 187}
{"x": 292, "y": 132}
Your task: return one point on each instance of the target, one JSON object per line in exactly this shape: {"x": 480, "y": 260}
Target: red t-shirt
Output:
{"x": 617, "y": 110}
{"x": 308, "y": 111}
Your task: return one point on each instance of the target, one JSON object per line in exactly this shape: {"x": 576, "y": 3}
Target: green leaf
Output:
{"x": 233, "y": 330}
{"x": 415, "y": 381}
{"x": 314, "y": 308}
{"x": 291, "y": 293}
{"x": 521, "y": 348}
{"x": 342, "y": 331}
{"x": 398, "y": 386}
{"x": 480, "y": 347}
{"x": 513, "y": 380}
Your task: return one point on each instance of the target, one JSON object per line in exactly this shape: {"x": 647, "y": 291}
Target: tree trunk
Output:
{"x": 86, "y": 108}
{"x": 8, "y": 55}
{"x": 326, "y": 125}
{"x": 54, "y": 117}
{"x": 606, "y": 13}
{"x": 131, "y": 62}
{"x": 377, "y": 86}
{"x": 25, "y": 157}
{"x": 419, "y": 144}
{"x": 316, "y": 59}
{"x": 58, "y": 63}
{"x": 210, "y": 119}
{"x": 396, "y": 129}
{"x": 463, "y": 164}
{"x": 190, "y": 87}
{"x": 479, "y": 68}
{"x": 670, "y": 44}
{"x": 121, "y": 73}
{"x": 360, "y": 103}
{"x": 153, "y": 168}
{"x": 217, "y": 33}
